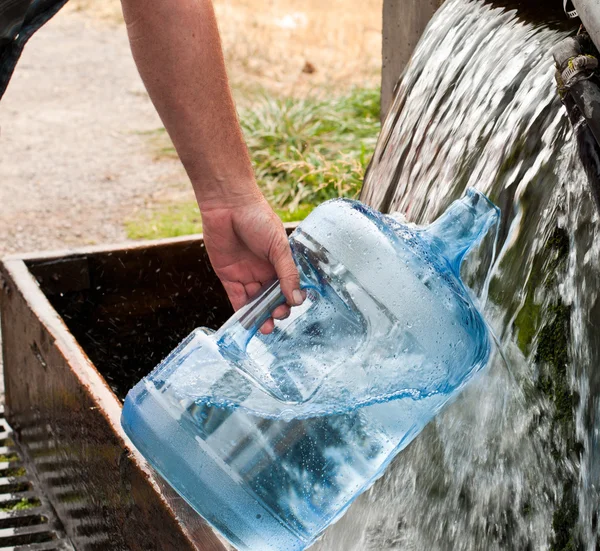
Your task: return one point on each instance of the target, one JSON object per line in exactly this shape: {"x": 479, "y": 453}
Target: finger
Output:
{"x": 287, "y": 272}
{"x": 281, "y": 312}
{"x": 267, "y": 327}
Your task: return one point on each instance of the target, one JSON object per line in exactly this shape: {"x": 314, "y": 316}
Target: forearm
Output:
{"x": 178, "y": 52}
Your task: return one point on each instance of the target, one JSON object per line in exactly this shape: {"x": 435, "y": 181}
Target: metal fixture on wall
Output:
{"x": 589, "y": 13}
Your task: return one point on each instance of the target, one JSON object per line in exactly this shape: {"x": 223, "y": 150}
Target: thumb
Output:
{"x": 286, "y": 269}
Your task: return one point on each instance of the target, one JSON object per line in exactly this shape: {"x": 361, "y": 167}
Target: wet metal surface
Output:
{"x": 27, "y": 520}
{"x": 129, "y": 308}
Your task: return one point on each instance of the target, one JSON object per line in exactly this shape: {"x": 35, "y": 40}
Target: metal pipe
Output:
{"x": 589, "y": 12}
{"x": 580, "y": 94}
{"x": 576, "y": 71}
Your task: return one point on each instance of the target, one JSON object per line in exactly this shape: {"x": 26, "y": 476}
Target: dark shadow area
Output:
{"x": 550, "y": 12}
{"x": 129, "y": 308}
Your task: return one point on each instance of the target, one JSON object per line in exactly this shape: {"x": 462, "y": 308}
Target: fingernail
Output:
{"x": 298, "y": 298}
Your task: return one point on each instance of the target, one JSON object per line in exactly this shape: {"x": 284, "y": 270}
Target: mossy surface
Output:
{"x": 564, "y": 523}
{"x": 545, "y": 336}
{"x": 553, "y": 355}
{"x": 9, "y": 458}
{"x": 547, "y": 265}
{"x": 21, "y": 505}
{"x": 552, "y": 361}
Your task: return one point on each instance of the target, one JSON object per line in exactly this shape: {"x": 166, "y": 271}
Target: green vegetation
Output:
{"x": 296, "y": 214}
{"x": 9, "y": 458}
{"x": 21, "y": 505}
{"x": 14, "y": 471}
{"x": 308, "y": 151}
{"x": 174, "y": 220}
{"x": 167, "y": 221}
{"x": 305, "y": 151}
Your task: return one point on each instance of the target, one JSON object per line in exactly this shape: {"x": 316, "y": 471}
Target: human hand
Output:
{"x": 248, "y": 247}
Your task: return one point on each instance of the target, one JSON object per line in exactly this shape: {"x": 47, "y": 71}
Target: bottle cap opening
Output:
{"x": 464, "y": 224}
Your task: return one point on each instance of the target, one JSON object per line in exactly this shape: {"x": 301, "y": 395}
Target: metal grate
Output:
{"x": 27, "y": 520}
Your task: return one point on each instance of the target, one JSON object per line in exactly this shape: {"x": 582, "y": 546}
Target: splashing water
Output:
{"x": 510, "y": 465}
{"x": 291, "y": 427}
{"x": 375, "y": 328}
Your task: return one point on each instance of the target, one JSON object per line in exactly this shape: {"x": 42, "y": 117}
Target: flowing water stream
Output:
{"x": 514, "y": 464}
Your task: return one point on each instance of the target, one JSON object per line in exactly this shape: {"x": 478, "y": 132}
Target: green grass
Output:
{"x": 296, "y": 214}
{"x": 166, "y": 221}
{"x": 305, "y": 151}
{"x": 15, "y": 471}
{"x": 308, "y": 151}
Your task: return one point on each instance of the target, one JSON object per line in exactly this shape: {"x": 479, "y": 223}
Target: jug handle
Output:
{"x": 254, "y": 314}
{"x": 248, "y": 320}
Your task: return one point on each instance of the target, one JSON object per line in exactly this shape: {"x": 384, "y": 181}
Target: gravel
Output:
{"x": 74, "y": 157}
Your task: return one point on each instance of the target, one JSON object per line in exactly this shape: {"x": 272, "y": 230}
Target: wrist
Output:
{"x": 233, "y": 194}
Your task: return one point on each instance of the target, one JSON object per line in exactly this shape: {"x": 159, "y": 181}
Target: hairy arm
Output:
{"x": 177, "y": 49}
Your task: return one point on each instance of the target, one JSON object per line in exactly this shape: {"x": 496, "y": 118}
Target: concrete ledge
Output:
{"x": 403, "y": 24}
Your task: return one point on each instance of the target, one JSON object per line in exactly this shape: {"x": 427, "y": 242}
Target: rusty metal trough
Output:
{"x": 79, "y": 329}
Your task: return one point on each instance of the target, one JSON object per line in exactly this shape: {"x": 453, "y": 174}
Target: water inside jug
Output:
{"x": 271, "y": 437}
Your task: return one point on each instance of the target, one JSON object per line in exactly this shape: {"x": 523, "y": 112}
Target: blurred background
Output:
{"x": 84, "y": 158}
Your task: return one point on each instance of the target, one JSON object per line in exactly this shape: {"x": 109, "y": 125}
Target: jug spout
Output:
{"x": 463, "y": 226}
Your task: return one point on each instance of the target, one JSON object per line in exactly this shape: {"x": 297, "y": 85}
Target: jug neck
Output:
{"x": 464, "y": 224}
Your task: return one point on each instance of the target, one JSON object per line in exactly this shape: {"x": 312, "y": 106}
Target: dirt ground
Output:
{"x": 74, "y": 160}
{"x": 268, "y": 43}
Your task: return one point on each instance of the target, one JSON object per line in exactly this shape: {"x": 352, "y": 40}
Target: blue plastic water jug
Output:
{"x": 271, "y": 437}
